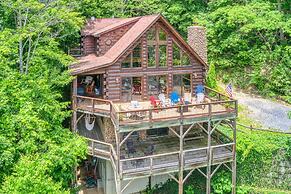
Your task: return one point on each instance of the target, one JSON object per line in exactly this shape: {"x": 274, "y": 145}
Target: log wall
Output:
{"x": 114, "y": 73}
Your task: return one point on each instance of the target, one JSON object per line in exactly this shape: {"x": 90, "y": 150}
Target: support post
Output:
{"x": 181, "y": 160}
{"x": 233, "y": 166}
{"x": 209, "y": 153}
{"x": 118, "y": 173}
{"x": 74, "y": 104}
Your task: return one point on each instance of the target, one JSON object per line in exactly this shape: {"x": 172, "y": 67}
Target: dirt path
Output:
{"x": 269, "y": 113}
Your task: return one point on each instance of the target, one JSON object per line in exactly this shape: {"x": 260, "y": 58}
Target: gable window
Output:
{"x": 157, "y": 47}
{"x": 180, "y": 57}
{"x": 133, "y": 59}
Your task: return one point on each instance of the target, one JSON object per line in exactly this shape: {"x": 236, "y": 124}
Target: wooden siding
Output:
{"x": 107, "y": 40}
{"x": 88, "y": 44}
{"x": 115, "y": 73}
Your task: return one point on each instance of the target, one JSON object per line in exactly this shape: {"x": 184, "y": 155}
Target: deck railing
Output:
{"x": 102, "y": 150}
{"x": 159, "y": 162}
{"x": 219, "y": 104}
{"x": 178, "y": 112}
{"x": 97, "y": 105}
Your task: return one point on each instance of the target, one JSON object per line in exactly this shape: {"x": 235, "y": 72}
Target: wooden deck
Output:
{"x": 165, "y": 157}
{"x": 145, "y": 116}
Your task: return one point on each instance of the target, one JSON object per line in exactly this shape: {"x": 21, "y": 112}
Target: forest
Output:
{"x": 248, "y": 45}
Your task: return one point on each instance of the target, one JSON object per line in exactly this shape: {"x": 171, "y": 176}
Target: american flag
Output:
{"x": 228, "y": 90}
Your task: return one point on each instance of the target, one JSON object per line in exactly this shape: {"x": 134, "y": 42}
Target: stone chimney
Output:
{"x": 197, "y": 40}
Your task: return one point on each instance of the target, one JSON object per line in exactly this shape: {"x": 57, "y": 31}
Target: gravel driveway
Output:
{"x": 269, "y": 113}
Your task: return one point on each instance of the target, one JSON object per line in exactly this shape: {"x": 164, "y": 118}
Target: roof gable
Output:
{"x": 92, "y": 62}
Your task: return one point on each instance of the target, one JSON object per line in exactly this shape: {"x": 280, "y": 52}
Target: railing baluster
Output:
{"x": 151, "y": 165}
{"x": 151, "y": 116}
{"x": 92, "y": 147}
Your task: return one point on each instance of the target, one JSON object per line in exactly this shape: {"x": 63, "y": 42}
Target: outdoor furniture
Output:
{"x": 138, "y": 115}
{"x": 164, "y": 101}
{"x": 175, "y": 98}
{"x": 200, "y": 89}
{"x": 136, "y": 89}
{"x": 150, "y": 150}
{"x": 200, "y": 95}
{"x": 154, "y": 102}
{"x": 187, "y": 98}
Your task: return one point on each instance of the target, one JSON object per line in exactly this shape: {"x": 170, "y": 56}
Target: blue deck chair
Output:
{"x": 175, "y": 98}
{"x": 200, "y": 89}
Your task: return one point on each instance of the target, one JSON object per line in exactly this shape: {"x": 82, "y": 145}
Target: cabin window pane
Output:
{"x": 131, "y": 89}
{"x": 176, "y": 55}
{"x": 133, "y": 59}
{"x": 126, "y": 87}
{"x": 136, "y": 56}
{"x": 162, "y": 35}
{"x": 127, "y": 62}
{"x": 185, "y": 60}
{"x": 153, "y": 85}
{"x": 151, "y": 36}
{"x": 151, "y": 56}
{"x": 157, "y": 85}
{"x": 163, "y": 55}
{"x": 182, "y": 83}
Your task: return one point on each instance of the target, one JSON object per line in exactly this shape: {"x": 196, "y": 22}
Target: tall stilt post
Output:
{"x": 118, "y": 168}
{"x": 181, "y": 161}
{"x": 233, "y": 166}
{"x": 209, "y": 153}
{"x": 74, "y": 105}
{"x": 208, "y": 174}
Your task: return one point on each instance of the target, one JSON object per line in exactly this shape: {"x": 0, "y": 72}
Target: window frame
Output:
{"x": 156, "y": 43}
{"x": 182, "y": 53}
{"x": 132, "y": 57}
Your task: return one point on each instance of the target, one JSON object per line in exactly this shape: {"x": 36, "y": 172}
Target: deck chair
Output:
{"x": 200, "y": 95}
{"x": 163, "y": 100}
{"x": 200, "y": 90}
{"x": 87, "y": 80}
{"x": 154, "y": 102}
{"x": 150, "y": 150}
{"x": 175, "y": 98}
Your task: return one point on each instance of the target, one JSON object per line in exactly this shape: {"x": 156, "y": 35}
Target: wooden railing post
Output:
{"x": 151, "y": 117}
{"x": 92, "y": 147}
{"x": 151, "y": 165}
{"x": 209, "y": 110}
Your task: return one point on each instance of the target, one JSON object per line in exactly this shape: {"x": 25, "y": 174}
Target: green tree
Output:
{"x": 211, "y": 77}
{"x": 32, "y": 79}
{"x": 246, "y": 45}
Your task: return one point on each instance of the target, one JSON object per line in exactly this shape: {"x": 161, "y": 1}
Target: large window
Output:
{"x": 133, "y": 59}
{"x": 182, "y": 83}
{"x": 180, "y": 57}
{"x": 157, "y": 47}
{"x": 130, "y": 88}
{"x": 157, "y": 84}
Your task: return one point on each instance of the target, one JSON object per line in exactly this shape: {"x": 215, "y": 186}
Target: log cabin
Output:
{"x": 140, "y": 100}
